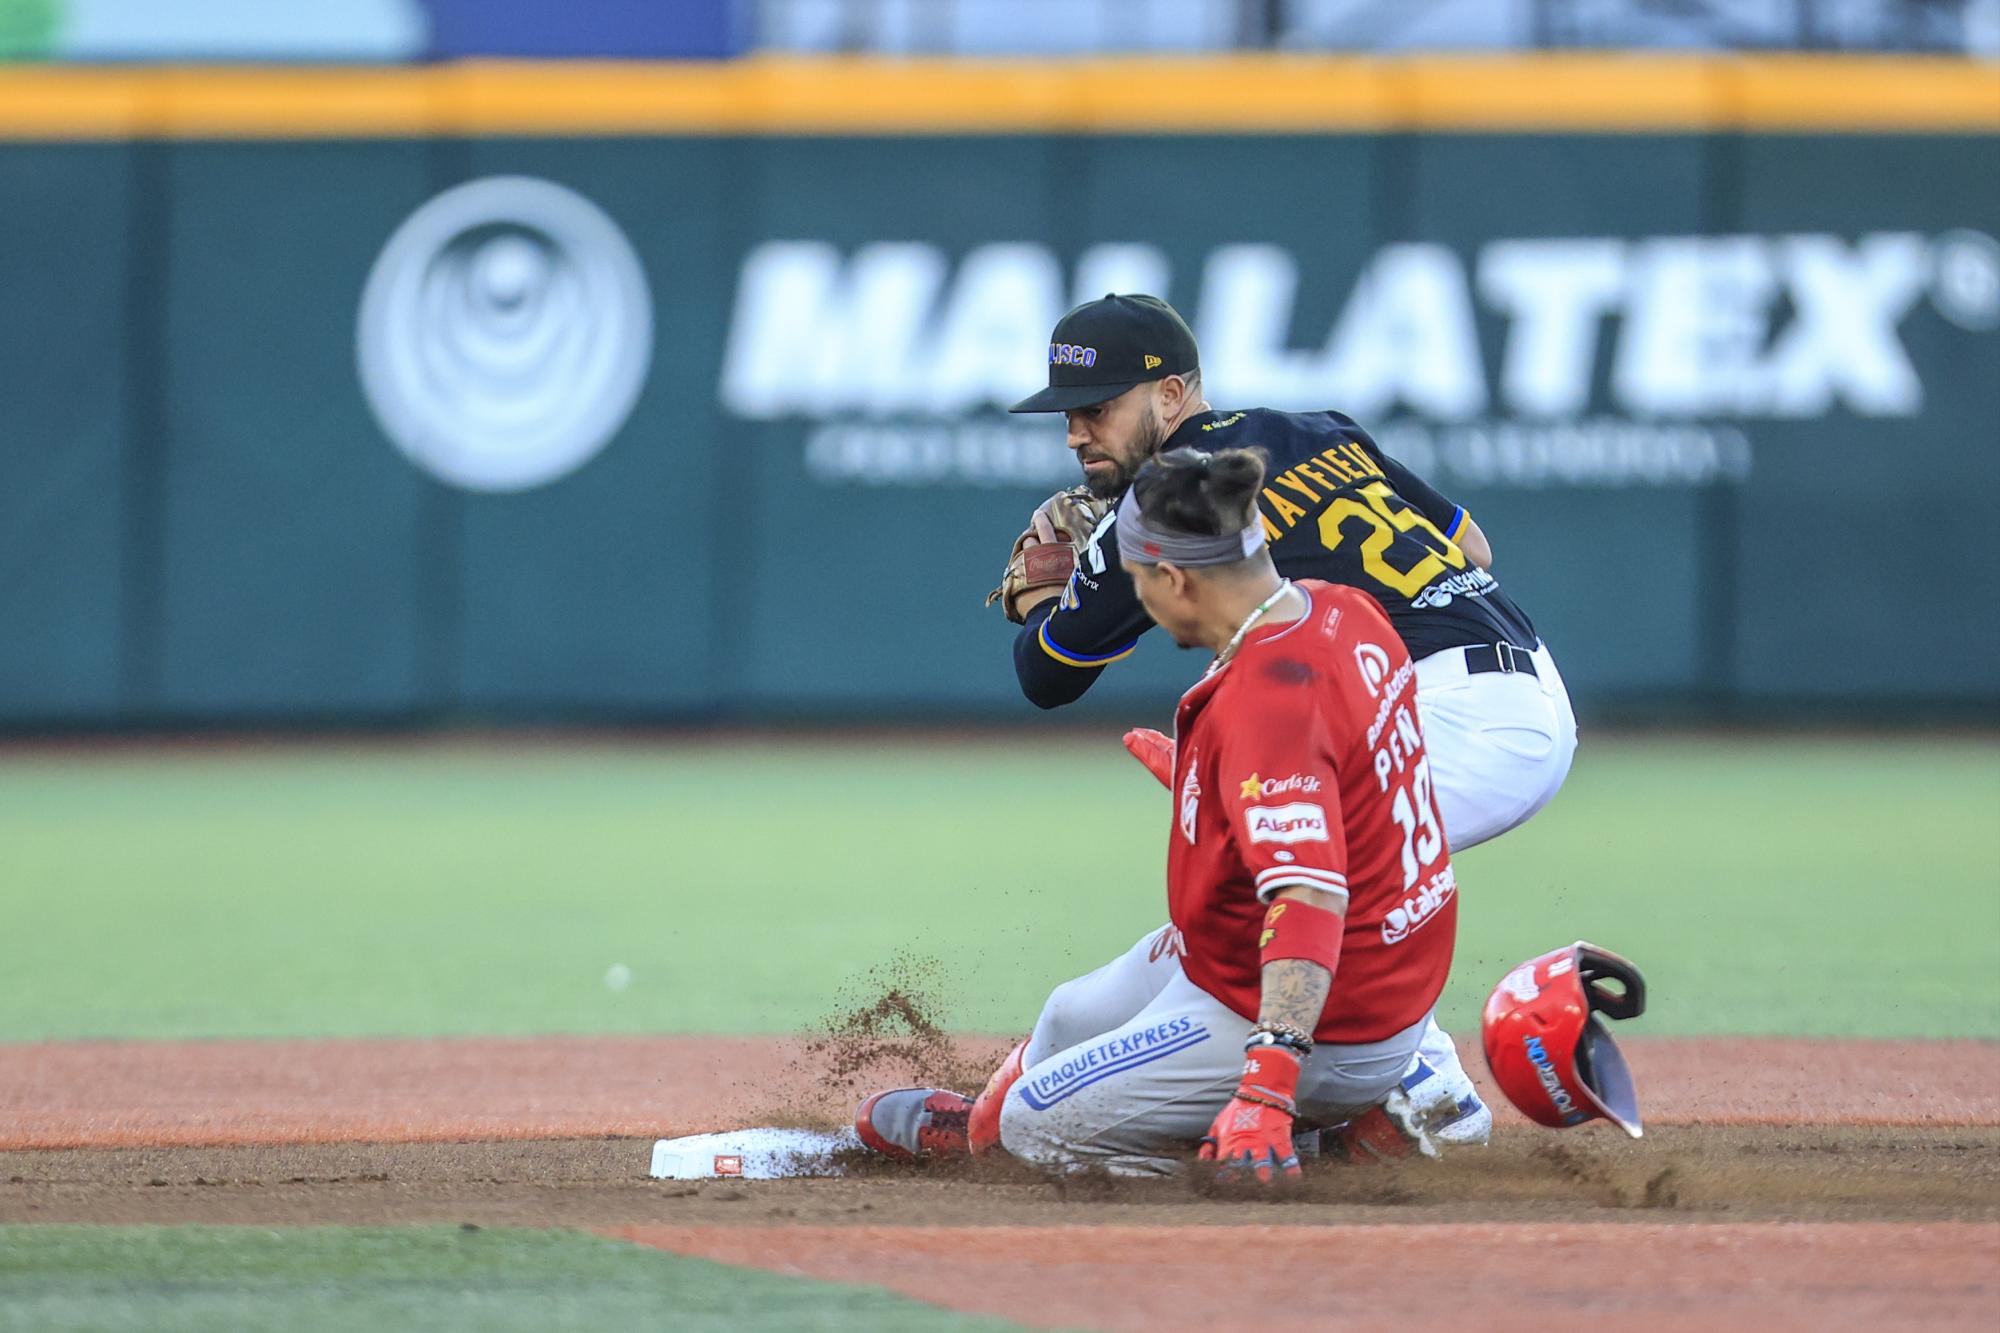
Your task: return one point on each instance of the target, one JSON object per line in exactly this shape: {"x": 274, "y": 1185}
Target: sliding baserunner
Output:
{"x": 1310, "y": 888}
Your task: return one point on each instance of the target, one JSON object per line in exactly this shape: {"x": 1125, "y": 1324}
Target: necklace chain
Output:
{"x": 1236, "y": 639}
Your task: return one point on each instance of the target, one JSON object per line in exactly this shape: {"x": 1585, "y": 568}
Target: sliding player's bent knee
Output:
{"x": 1074, "y": 1012}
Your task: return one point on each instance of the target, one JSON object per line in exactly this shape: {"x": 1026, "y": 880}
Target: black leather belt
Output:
{"x": 1506, "y": 657}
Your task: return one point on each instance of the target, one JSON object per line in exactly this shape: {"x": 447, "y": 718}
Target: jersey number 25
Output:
{"x": 1387, "y": 515}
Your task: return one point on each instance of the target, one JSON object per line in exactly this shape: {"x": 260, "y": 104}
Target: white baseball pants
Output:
{"x": 1500, "y": 743}
{"x": 1134, "y": 1098}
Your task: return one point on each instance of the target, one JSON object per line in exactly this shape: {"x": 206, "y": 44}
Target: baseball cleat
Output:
{"x": 1450, "y": 1108}
{"x": 1386, "y": 1133}
{"x": 909, "y": 1123}
{"x": 1470, "y": 1125}
{"x": 983, "y": 1125}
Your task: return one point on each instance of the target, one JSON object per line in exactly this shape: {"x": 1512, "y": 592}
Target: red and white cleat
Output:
{"x": 908, "y": 1123}
{"x": 1390, "y": 1131}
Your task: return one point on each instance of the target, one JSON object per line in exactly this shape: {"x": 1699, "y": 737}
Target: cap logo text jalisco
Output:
{"x": 1069, "y": 354}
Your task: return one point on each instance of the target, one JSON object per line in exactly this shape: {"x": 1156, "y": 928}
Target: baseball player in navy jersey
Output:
{"x": 1125, "y": 373}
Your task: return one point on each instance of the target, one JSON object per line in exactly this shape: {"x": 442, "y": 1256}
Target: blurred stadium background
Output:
{"x": 390, "y": 363}
{"x": 549, "y": 456}
{"x": 430, "y": 367}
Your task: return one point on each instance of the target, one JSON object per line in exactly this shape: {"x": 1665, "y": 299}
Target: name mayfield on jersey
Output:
{"x": 1334, "y": 508}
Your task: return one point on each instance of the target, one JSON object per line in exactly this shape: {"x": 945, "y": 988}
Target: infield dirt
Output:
{"x": 1781, "y": 1184}
{"x": 1679, "y": 1173}
{"x": 153, "y": 1094}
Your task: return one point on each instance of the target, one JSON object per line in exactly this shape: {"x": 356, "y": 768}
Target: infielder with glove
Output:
{"x": 1309, "y": 883}
{"x": 1125, "y": 372}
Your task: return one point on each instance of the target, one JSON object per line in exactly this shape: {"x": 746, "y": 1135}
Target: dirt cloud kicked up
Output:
{"x": 887, "y": 1029}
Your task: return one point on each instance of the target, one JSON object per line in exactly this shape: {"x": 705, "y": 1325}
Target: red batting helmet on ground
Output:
{"x": 1546, "y": 1046}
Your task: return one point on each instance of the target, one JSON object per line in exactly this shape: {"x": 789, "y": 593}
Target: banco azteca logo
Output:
{"x": 505, "y": 333}
{"x": 1372, "y": 660}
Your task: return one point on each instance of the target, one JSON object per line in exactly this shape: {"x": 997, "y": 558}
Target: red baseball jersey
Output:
{"x": 1301, "y": 761}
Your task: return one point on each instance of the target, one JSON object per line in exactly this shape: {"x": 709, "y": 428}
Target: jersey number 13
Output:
{"x": 1415, "y": 814}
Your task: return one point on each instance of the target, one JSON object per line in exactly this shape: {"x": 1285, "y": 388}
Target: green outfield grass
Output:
{"x": 439, "y": 1279}
{"x": 1784, "y": 886}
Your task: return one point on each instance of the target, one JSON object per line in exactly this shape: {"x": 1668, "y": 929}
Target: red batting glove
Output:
{"x": 1253, "y": 1135}
{"x": 1153, "y": 750}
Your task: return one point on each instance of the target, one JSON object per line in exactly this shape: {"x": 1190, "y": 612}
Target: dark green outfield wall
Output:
{"x": 1727, "y": 406}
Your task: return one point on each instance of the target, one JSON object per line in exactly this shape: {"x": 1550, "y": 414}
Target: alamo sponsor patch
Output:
{"x": 1301, "y": 821}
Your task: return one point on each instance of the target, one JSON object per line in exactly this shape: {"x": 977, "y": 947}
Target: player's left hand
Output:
{"x": 1252, "y": 1138}
{"x": 1044, "y": 555}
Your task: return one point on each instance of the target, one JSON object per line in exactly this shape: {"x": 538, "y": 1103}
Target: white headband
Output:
{"x": 1144, "y": 545}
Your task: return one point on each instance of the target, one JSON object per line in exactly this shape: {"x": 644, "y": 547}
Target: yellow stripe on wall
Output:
{"x": 1224, "y": 95}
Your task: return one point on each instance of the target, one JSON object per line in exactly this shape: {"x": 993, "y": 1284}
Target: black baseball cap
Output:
{"x": 1104, "y": 347}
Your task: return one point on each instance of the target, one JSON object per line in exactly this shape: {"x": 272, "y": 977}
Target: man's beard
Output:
{"x": 1148, "y": 439}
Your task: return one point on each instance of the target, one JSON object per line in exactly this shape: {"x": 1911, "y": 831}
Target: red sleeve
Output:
{"x": 1276, "y": 767}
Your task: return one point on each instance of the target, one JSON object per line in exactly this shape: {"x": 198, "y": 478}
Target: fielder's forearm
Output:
{"x": 1046, "y": 682}
{"x": 1472, "y": 540}
{"x": 1034, "y": 597}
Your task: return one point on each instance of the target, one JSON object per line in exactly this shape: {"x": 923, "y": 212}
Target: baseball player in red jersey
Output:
{"x": 1308, "y": 880}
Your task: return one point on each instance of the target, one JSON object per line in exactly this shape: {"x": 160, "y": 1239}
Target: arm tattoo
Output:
{"x": 1295, "y": 992}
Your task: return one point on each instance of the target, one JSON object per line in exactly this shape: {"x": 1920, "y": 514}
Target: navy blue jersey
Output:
{"x": 1334, "y": 508}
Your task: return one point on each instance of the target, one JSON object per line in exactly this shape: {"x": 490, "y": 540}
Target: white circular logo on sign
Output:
{"x": 1965, "y": 281}
{"x": 505, "y": 333}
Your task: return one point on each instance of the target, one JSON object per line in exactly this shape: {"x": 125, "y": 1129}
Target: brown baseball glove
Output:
{"x": 1044, "y": 556}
